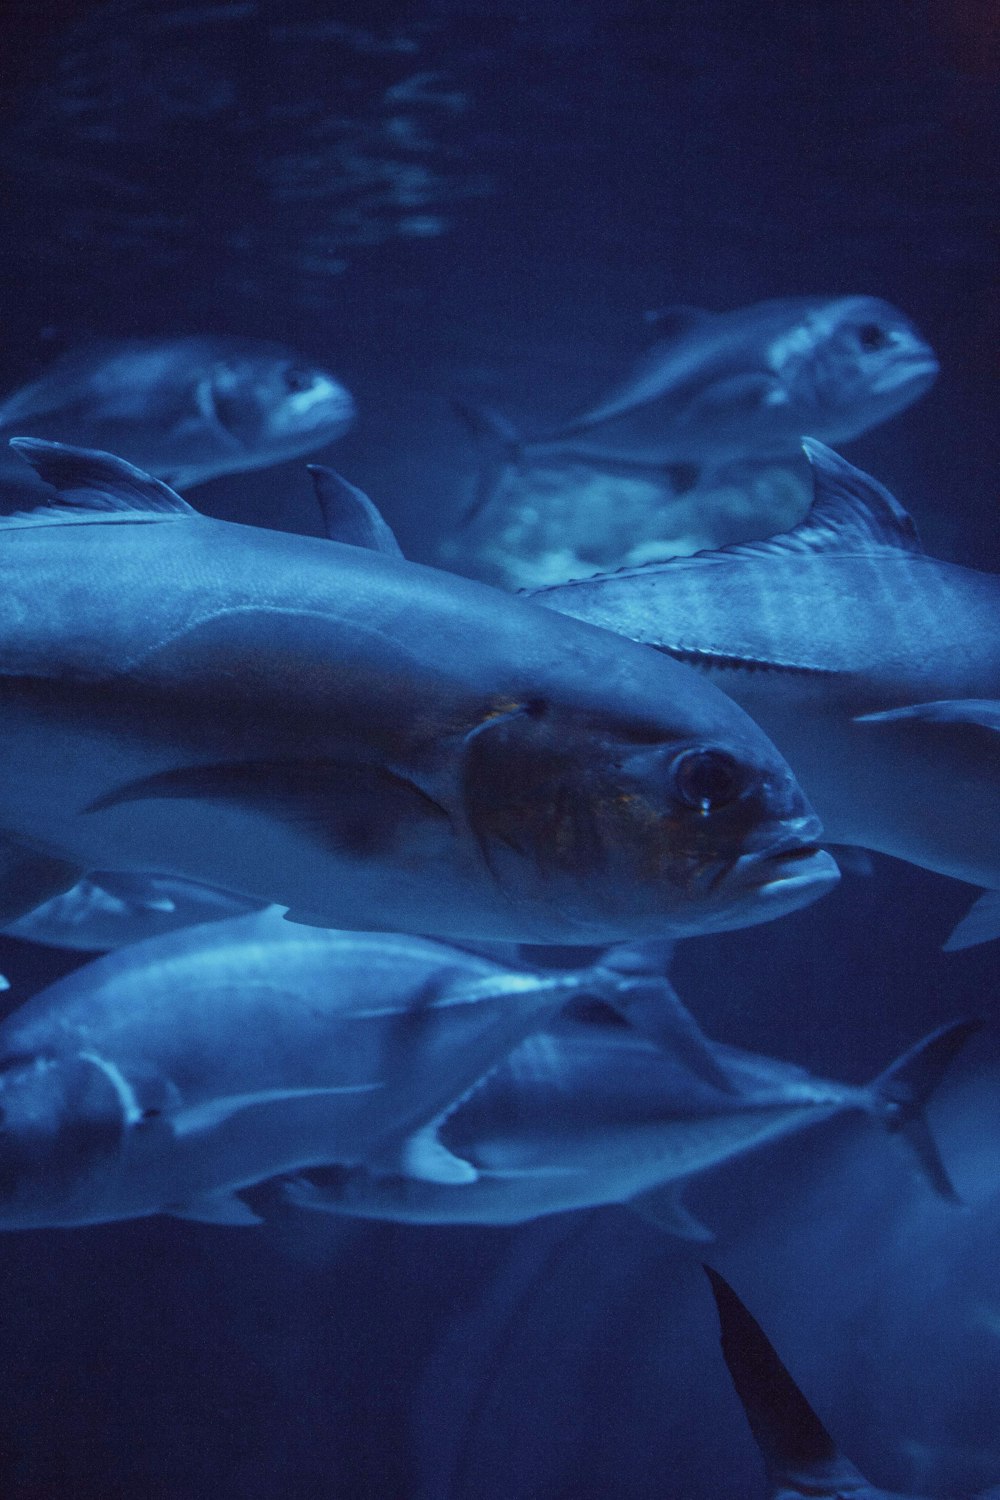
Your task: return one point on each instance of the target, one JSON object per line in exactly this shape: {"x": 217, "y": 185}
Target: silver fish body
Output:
{"x": 167, "y": 1076}
{"x": 588, "y": 1111}
{"x": 722, "y": 388}
{"x": 746, "y": 384}
{"x": 362, "y": 740}
{"x": 875, "y": 668}
{"x": 184, "y": 409}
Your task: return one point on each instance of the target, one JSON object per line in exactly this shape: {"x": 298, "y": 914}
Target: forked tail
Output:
{"x": 901, "y": 1092}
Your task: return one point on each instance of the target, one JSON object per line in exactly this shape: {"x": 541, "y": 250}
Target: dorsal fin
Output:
{"x": 92, "y": 486}
{"x": 851, "y": 512}
{"x": 673, "y": 322}
{"x": 348, "y": 514}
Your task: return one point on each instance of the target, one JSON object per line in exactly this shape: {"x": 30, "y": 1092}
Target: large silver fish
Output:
{"x": 185, "y": 409}
{"x": 368, "y": 742}
{"x": 166, "y": 1077}
{"x": 590, "y": 1111}
{"x": 718, "y": 388}
{"x": 800, "y": 1457}
{"x": 107, "y": 911}
{"x": 875, "y": 669}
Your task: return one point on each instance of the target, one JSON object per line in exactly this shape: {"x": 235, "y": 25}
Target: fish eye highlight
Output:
{"x": 706, "y": 779}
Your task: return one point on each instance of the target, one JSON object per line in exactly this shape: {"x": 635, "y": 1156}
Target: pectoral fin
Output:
{"x": 653, "y": 1007}
{"x": 358, "y": 808}
{"x": 665, "y": 1207}
{"x": 425, "y": 1157}
{"x": 962, "y": 713}
{"x": 749, "y": 393}
{"x": 217, "y": 1208}
{"x": 981, "y": 924}
{"x": 214, "y": 1112}
{"x": 28, "y": 878}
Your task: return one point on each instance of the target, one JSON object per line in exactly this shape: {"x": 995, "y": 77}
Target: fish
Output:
{"x": 874, "y": 667}
{"x": 169, "y": 1076}
{"x": 106, "y": 911}
{"x": 592, "y": 1109}
{"x": 717, "y": 389}
{"x": 800, "y": 1457}
{"x": 184, "y": 409}
{"x": 363, "y": 741}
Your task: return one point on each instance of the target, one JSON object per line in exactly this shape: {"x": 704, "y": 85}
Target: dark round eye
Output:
{"x": 871, "y": 337}
{"x": 297, "y": 379}
{"x": 707, "y": 779}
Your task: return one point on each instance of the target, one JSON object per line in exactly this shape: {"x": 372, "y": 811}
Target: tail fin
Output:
{"x": 901, "y": 1092}
{"x": 798, "y": 1451}
{"x": 501, "y": 452}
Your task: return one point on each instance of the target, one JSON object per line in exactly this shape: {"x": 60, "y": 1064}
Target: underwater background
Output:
{"x": 457, "y": 200}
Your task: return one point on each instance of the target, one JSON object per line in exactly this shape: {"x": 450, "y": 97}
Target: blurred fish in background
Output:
{"x": 720, "y": 388}
{"x": 691, "y": 441}
{"x": 184, "y": 409}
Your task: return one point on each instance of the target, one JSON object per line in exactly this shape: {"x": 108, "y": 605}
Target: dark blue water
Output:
{"x": 234, "y": 169}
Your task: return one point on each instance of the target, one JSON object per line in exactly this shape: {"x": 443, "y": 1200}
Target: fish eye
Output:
{"x": 872, "y": 338}
{"x": 707, "y": 779}
{"x": 298, "y": 379}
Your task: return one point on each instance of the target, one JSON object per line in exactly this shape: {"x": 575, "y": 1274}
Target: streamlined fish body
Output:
{"x": 165, "y": 1077}
{"x": 362, "y": 740}
{"x": 185, "y": 409}
{"x": 716, "y": 387}
{"x": 875, "y": 669}
{"x": 590, "y": 1111}
{"x": 723, "y": 388}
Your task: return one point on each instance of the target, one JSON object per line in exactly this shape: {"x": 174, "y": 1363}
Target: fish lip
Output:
{"x": 790, "y": 869}
{"x": 906, "y": 368}
{"x": 790, "y": 864}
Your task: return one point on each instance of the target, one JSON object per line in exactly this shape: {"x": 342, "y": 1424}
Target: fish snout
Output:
{"x": 787, "y": 870}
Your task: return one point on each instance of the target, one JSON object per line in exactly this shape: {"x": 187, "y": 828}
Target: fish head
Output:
{"x": 663, "y": 825}
{"x": 850, "y": 363}
{"x": 60, "y": 1119}
{"x": 276, "y": 405}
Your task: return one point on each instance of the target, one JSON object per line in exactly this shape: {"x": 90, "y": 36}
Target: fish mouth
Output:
{"x": 808, "y": 871}
{"x": 788, "y": 874}
{"x": 320, "y": 405}
{"x": 904, "y": 370}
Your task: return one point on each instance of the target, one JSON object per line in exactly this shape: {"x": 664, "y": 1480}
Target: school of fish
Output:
{"x": 311, "y": 800}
